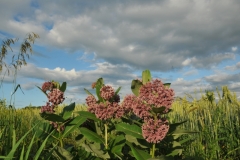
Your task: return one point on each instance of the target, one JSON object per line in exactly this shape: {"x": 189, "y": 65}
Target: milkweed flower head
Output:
{"x": 109, "y": 108}
{"x": 134, "y": 104}
{"x": 48, "y": 108}
{"x": 154, "y": 131}
{"x": 47, "y": 86}
{"x": 56, "y": 96}
{"x": 106, "y": 92}
{"x": 155, "y": 94}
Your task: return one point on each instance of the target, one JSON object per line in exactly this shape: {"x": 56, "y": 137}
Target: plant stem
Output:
{"x": 153, "y": 150}
{"x": 60, "y": 136}
{"x": 106, "y": 144}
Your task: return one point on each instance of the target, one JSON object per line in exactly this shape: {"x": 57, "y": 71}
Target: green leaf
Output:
{"x": 91, "y": 136}
{"x": 52, "y": 117}
{"x": 162, "y": 157}
{"x": 119, "y": 88}
{"x": 96, "y": 150}
{"x": 22, "y": 153}
{"x": 99, "y": 85}
{"x": 135, "y": 86}
{"x": 138, "y": 154}
{"x": 158, "y": 110}
{"x": 4, "y": 157}
{"x": 11, "y": 153}
{"x": 118, "y": 143}
{"x": 63, "y": 87}
{"x": 138, "y": 142}
{"x": 75, "y": 123}
{"x": 42, "y": 90}
{"x": 128, "y": 129}
{"x": 29, "y": 147}
{"x": 176, "y": 149}
{"x": 167, "y": 85}
{"x": 88, "y": 115}
{"x": 41, "y": 147}
{"x": 178, "y": 132}
{"x": 18, "y": 86}
{"x": 146, "y": 76}
{"x": 67, "y": 111}
{"x": 62, "y": 153}
{"x": 89, "y": 93}
{"x": 174, "y": 126}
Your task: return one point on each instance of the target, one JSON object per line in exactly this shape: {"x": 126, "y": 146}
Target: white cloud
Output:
{"x": 234, "y": 49}
{"x": 160, "y": 32}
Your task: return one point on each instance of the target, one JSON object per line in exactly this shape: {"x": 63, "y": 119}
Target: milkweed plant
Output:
{"x": 135, "y": 128}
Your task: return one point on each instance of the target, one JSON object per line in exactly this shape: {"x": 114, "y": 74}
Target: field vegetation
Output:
{"x": 217, "y": 123}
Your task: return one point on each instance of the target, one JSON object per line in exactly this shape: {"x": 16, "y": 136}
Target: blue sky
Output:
{"x": 192, "y": 44}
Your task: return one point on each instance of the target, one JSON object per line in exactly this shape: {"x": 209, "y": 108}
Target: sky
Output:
{"x": 192, "y": 44}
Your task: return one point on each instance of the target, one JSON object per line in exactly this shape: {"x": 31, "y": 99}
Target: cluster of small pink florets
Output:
{"x": 152, "y": 94}
{"x": 55, "y": 97}
{"x": 108, "y": 109}
{"x": 155, "y": 131}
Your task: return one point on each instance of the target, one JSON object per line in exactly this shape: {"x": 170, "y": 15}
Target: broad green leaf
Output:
{"x": 176, "y": 149}
{"x": 96, "y": 150}
{"x": 52, "y": 117}
{"x": 118, "y": 143}
{"x": 135, "y": 86}
{"x": 91, "y": 136}
{"x": 174, "y": 126}
{"x": 63, "y": 87}
{"x": 146, "y": 76}
{"x": 138, "y": 154}
{"x": 75, "y": 123}
{"x": 158, "y": 110}
{"x": 88, "y": 115}
{"x": 138, "y": 141}
{"x": 67, "y": 111}
{"x": 167, "y": 85}
{"x": 62, "y": 153}
{"x": 128, "y": 129}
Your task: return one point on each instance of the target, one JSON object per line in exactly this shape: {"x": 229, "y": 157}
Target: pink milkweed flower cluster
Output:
{"x": 55, "y": 97}
{"x": 155, "y": 131}
{"x": 152, "y": 94}
{"x": 47, "y": 86}
{"x": 108, "y": 109}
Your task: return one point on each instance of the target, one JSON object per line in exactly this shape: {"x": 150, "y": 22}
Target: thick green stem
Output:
{"x": 106, "y": 140}
{"x": 153, "y": 150}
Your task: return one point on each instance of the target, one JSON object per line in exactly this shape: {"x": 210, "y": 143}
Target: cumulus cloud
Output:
{"x": 233, "y": 67}
{"x": 122, "y": 37}
{"x": 154, "y": 35}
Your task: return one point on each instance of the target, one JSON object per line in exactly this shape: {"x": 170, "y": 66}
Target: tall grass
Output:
{"x": 218, "y": 124}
